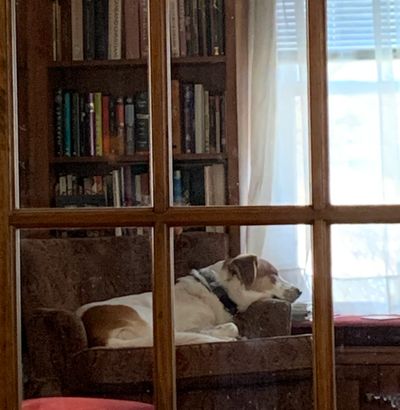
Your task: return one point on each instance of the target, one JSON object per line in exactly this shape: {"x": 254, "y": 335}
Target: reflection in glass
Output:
{"x": 365, "y": 269}
{"x": 245, "y": 303}
{"x": 364, "y": 103}
{"x": 83, "y": 104}
{"x": 66, "y": 349}
{"x": 240, "y": 115}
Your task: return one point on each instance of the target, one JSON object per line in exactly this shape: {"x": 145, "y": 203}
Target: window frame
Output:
{"x": 320, "y": 214}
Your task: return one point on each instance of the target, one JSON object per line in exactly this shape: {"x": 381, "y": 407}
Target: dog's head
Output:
{"x": 259, "y": 275}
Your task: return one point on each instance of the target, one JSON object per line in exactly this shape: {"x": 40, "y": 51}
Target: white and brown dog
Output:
{"x": 205, "y": 302}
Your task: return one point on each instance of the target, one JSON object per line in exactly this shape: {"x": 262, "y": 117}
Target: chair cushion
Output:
{"x": 82, "y": 403}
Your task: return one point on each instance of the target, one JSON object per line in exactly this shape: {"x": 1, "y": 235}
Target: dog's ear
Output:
{"x": 245, "y": 267}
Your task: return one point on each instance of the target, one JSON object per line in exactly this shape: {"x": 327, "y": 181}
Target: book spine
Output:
{"x": 177, "y": 187}
{"x": 142, "y": 122}
{"x": 106, "y": 124}
{"x": 202, "y": 27}
{"x": 188, "y": 29}
{"x": 83, "y": 123}
{"x": 212, "y": 6}
{"x": 138, "y": 189}
{"x": 58, "y": 123}
{"x": 218, "y": 184}
{"x": 206, "y": 122}
{"x": 67, "y": 123}
{"x": 91, "y": 125}
{"x": 101, "y": 29}
{"x": 144, "y": 34}
{"x": 128, "y": 186}
{"x": 98, "y": 109}
{"x": 114, "y": 29}
{"x": 182, "y": 28}
{"x": 199, "y": 117}
{"x": 145, "y": 189}
{"x": 77, "y": 29}
{"x": 132, "y": 29}
{"x": 76, "y": 129}
{"x": 220, "y": 27}
{"x": 88, "y": 29}
{"x": 212, "y": 124}
{"x": 113, "y": 126}
{"x": 120, "y": 119}
{"x": 174, "y": 28}
{"x": 130, "y": 126}
{"x": 223, "y": 133}
{"x": 208, "y": 189}
{"x": 188, "y": 117}
{"x": 217, "y": 124}
{"x": 176, "y": 118}
{"x": 194, "y": 27}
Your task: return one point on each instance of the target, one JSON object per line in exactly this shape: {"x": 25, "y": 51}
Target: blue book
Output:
{"x": 177, "y": 187}
{"x": 67, "y": 124}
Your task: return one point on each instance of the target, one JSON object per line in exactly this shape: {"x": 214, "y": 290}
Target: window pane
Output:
{"x": 73, "y": 349}
{"x": 242, "y": 336}
{"x": 364, "y": 101}
{"x": 239, "y": 103}
{"x": 366, "y": 284}
{"x": 83, "y": 104}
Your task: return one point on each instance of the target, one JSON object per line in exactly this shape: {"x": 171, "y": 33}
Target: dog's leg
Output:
{"x": 224, "y": 330}
{"x": 189, "y": 338}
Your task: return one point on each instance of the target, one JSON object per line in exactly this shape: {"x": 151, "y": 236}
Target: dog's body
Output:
{"x": 205, "y": 302}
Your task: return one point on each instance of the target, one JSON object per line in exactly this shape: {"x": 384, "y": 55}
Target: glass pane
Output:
{"x": 364, "y": 101}
{"x": 366, "y": 285}
{"x": 243, "y": 325}
{"x": 239, "y": 103}
{"x": 77, "y": 320}
{"x": 83, "y": 103}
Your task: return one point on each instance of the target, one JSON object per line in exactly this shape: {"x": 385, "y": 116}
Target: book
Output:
{"x": 89, "y": 29}
{"x": 75, "y": 126}
{"x": 101, "y": 29}
{"x": 218, "y": 184}
{"x": 128, "y": 186}
{"x": 98, "y": 109}
{"x": 188, "y": 117}
{"x": 132, "y": 29}
{"x": 182, "y": 28}
{"x": 106, "y": 124}
{"x": 130, "y": 126}
{"x": 83, "y": 125}
{"x": 217, "y": 124}
{"x": 194, "y": 28}
{"x": 174, "y": 27}
{"x": 114, "y": 29}
{"x": 58, "y": 123}
{"x": 199, "y": 118}
{"x": 176, "y": 117}
{"x": 220, "y": 18}
{"x": 77, "y": 29}
{"x": 120, "y": 121}
{"x": 144, "y": 34}
{"x": 202, "y": 28}
{"x": 67, "y": 148}
{"x": 145, "y": 189}
{"x": 91, "y": 125}
{"x": 142, "y": 122}
{"x": 177, "y": 187}
{"x": 188, "y": 29}
{"x": 206, "y": 121}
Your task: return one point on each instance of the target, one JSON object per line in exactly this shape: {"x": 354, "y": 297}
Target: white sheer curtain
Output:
{"x": 273, "y": 133}
{"x": 364, "y": 112}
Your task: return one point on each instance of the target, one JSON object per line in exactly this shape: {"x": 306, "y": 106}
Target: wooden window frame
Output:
{"x": 320, "y": 215}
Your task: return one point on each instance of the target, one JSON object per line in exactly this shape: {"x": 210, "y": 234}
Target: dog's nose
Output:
{"x": 299, "y": 292}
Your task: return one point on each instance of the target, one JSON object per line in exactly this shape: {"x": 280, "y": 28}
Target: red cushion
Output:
{"x": 81, "y": 403}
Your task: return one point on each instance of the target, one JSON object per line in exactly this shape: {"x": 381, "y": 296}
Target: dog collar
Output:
{"x": 207, "y": 278}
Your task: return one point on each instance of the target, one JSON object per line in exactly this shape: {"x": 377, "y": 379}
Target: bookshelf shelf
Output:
{"x": 134, "y": 63}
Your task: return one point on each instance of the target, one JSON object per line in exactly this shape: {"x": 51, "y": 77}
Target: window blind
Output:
{"x": 351, "y": 24}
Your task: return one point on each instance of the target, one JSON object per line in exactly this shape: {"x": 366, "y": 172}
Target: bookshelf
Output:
{"x": 46, "y": 64}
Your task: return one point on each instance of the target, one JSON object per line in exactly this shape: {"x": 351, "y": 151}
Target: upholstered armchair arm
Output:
{"x": 265, "y": 318}
{"x": 52, "y": 336}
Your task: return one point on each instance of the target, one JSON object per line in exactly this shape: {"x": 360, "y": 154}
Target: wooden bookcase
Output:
{"x": 39, "y": 76}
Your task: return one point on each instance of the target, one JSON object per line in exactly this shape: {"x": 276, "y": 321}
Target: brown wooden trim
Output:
{"x": 385, "y": 355}
{"x": 163, "y": 320}
{"x": 324, "y": 363}
{"x": 324, "y": 370}
{"x": 160, "y": 100}
{"x": 9, "y": 373}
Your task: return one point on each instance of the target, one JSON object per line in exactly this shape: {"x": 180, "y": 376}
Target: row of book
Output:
{"x": 197, "y": 28}
{"x": 121, "y": 187}
{"x": 95, "y": 124}
{"x": 126, "y": 187}
{"x": 198, "y": 119}
{"x": 115, "y": 29}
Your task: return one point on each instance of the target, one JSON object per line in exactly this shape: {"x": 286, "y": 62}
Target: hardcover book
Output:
{"x": 101, "y": 29}
{"x": 132, "y": 29}
{"x": 142, "y": 121}
{"x": 114, "y": 29}
{"x": 77, "y": 29}
{"x": 88, "y": 29}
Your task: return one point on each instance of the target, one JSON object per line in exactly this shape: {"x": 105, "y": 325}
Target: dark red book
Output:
{"x": 132, "y": 29}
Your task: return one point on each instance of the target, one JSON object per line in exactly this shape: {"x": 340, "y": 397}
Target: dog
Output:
{"x": 205, "y": 302}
